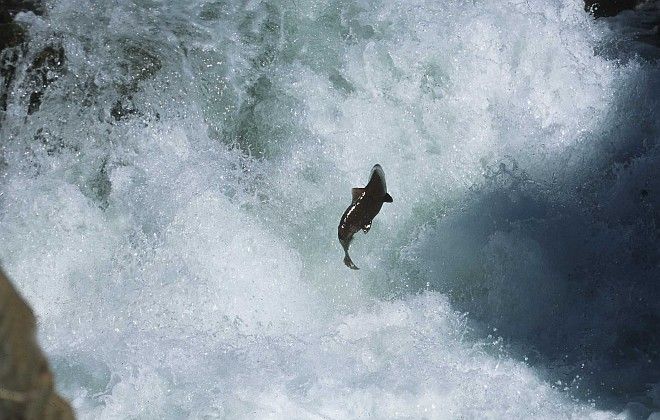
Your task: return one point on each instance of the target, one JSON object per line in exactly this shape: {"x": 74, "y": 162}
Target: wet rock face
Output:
{"x": 603, "y": 8}
{"x": 12, "y": 34}
{"x": 46, "y": 67}
{"x": 44, "y": 70}
{"x": 26, "y": 383}
{"x": 14, "y": 6}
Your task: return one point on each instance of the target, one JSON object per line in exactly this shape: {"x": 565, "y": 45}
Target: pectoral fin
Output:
{"x": 357, "y": 193}
{"x": 387, "y": 198}
{"x": 366, "y": 227}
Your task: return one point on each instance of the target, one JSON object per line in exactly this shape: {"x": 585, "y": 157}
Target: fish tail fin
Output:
{"x": 349, "y": 262}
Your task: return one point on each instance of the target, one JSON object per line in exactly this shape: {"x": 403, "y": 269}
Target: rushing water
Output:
{"x": 173, "y": 174}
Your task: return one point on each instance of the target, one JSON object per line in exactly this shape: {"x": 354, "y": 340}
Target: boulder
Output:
{"x": 26, "y": 382}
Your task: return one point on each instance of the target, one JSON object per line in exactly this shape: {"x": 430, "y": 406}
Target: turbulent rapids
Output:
{"x": 171, "y": 175}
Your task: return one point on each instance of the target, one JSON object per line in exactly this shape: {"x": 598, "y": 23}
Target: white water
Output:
{"x": 182, "y": 257}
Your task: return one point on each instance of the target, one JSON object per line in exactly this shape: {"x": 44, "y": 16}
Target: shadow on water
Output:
{"x": 565, "y": 270}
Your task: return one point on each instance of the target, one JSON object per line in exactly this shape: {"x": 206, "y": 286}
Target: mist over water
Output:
{"x": 173, "y": 174}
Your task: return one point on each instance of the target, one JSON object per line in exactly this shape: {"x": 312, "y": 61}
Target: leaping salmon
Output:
{"x": 366, "y": 204}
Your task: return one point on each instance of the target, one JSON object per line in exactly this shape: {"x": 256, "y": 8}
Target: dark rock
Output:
{"x": 603, "y": 8}
{"x": 120, "y": 111}
{"x": 8, "y": 62}
{"x": 12, "y": 35}
{"x": 44, "y": 70}
{"x": 9, "y": 8}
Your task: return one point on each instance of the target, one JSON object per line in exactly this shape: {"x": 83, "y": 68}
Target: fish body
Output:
{"x": 365, "y": 205}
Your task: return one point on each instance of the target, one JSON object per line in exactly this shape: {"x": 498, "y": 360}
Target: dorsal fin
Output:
{"x": 387, "y": 198}
{"x": 356, "y": 193}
